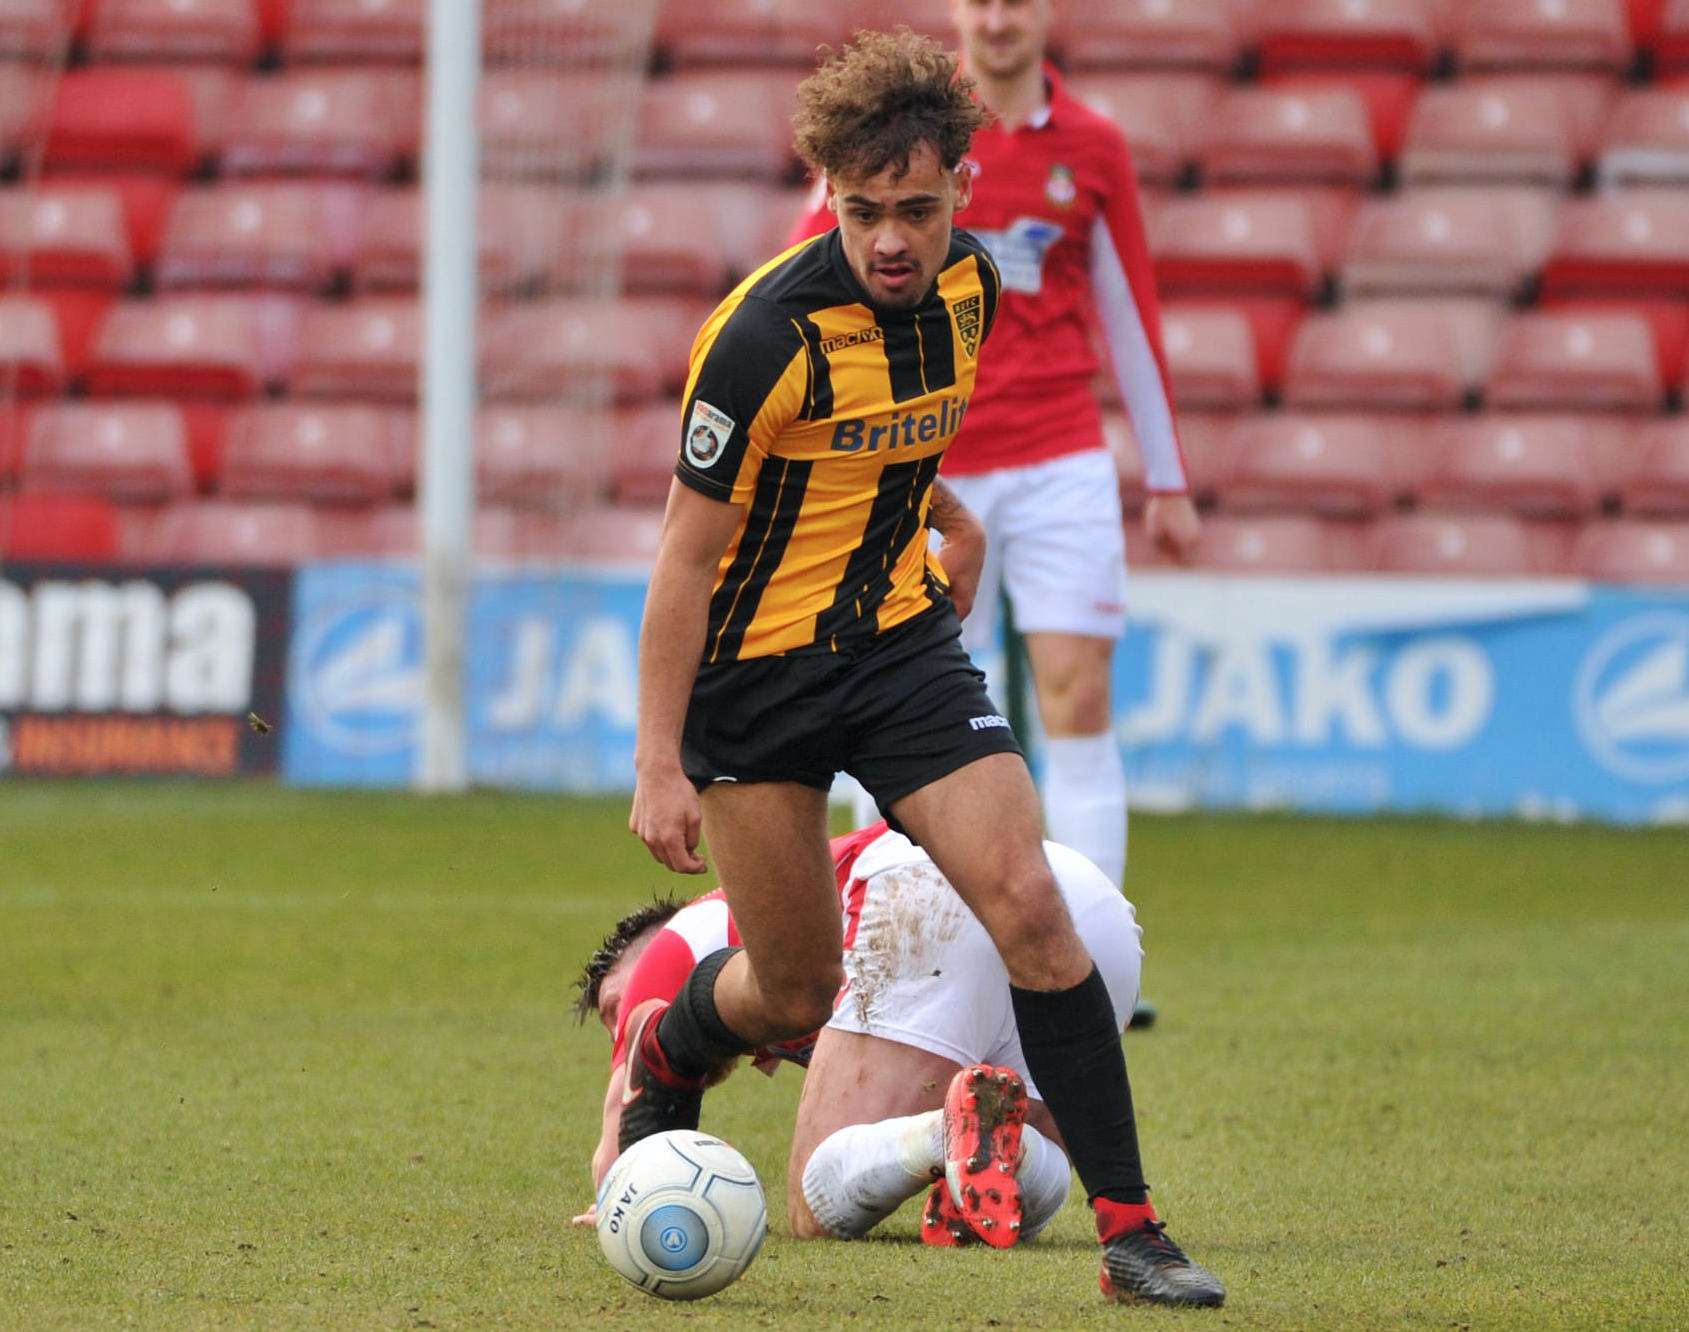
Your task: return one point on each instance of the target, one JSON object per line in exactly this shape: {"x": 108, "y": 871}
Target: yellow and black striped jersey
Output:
{"x": 826, "y": 418}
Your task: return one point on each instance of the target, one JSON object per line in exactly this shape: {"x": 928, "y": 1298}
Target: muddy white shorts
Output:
{"x": 921, "y": 970}
{"x": 1055, "y": 542}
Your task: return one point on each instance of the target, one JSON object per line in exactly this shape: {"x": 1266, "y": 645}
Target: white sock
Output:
{"x": 862, "y": 1174}
{"x": 1044, "y": 1177}
{"x": 1085, "y": 798}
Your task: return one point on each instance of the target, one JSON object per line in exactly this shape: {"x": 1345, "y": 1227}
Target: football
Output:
{"x": 681, "y": 1215}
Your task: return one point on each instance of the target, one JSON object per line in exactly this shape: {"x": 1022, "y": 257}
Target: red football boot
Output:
{"x": 983, "y": 1115}
{"x": 942, "y": 1226}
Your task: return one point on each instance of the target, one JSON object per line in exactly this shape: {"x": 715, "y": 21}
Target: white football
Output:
{"x": 681, "y": 1215}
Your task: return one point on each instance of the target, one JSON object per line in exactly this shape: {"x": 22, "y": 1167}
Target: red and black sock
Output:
{"x": 1072, "y": 1048}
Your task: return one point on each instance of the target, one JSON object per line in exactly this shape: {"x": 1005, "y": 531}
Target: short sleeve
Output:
{"x": 747, "y": 382}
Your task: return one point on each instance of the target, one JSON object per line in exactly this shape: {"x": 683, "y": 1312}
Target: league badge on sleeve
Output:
{"x": 707, "y": 431}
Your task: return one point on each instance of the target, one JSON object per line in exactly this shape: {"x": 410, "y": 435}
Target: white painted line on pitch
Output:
{"x": 212, "y": 898}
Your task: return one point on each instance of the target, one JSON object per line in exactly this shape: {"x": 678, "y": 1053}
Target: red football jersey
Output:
{"x": 1056, "y": 203}
{"x": 706, "y": 925}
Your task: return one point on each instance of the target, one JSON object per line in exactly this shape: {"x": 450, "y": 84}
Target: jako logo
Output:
{"x": 901, "y": 430}
{"x": 987, "y": 723}
{"x": 1631, "y": 698}
{"x": 356, "y": 674}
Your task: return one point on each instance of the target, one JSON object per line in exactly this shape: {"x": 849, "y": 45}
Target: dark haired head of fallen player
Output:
{"x": 630, "y": 929}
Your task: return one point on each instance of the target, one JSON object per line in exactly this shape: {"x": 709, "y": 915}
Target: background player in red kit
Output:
{"x": 1056, "y": 202}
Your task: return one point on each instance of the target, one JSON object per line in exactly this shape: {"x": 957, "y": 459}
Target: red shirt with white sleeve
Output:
{"x": 706, "y": 926}
{"x": 1056, "y": 203}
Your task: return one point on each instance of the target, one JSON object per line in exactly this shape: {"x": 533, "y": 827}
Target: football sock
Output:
{"x": 693, "y": 1039}
{"x": 1044, "y": 1177}
{"x": 1084, "y": 792}
{"x": 1117, "y": 1218}
{"x": 1072, "y": 1049}
{"x": 860, "y": 1175}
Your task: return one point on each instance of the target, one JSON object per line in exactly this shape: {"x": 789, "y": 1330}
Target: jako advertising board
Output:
{"x": 1542, "y": 699}
{"x": 145, "y": 671}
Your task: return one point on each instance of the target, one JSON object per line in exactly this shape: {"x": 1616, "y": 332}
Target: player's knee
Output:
{"x": 1031, "y": 918}
{"x": 800, "y": 1004}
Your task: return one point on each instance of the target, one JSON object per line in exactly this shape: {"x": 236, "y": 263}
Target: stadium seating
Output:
{"x": 1476, "y": 131}
{"x": 199, "y": 346}
{"x": 1657, "y": 483}
{"x": 1389, "y": 355}
{"x": 366, "y": 350}
{"x": 137, "y": 119}
{"x": 1146, "y": 34}
{"x": 1341, "y": 466}
{"x": 324, "y": 454}
{"x": 542, "y": 455}
{"x": 1266, "y": 135}
{"x": 29, "y": 346}
{"x": 34, "y": 29}
{"x": 1448, "y": 242}
{"x": 1574, "y": 361}
{"x": 745, "y": 31}
{"x": 221, "y": 532}
{"x": 1489, "y": 545}
{"x": 355, "y": 122}
{"x": 245, "y": 234}
{"x": 1545, "y": 467}
{"x": 1211, "y": 358}
{"x": 1535, "y": 33}
{"x": 1264, "y": 242}
{"x": 554, "y": 347}
{"x": 618, "y": 533}
{"x": 368, "y": 30}
{"x": 1635, "y": 552}
{"x": 1635, "y": 243}
{"x": 589, "y": 31}
{"x": 704, "y": 123}
{"x": 1166, "y": 113}
{"x": 1388, "y": 98}
{"x": 1273, "y": 544}
{"x": 725, "y": 234}
{"x": 523, "y": 232}
{"x": 58, "y": 527}
{"x": 129, "y": 452}
{"x": 175, "y": 30}
{"x": 64, "y": 235}
{"x": 23, "y": 108}
{"x": 1346, "y": 34}
{"x": 1646, "y": 138}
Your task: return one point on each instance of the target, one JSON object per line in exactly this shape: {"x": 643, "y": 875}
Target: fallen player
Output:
{"x": 917, "y": 1083}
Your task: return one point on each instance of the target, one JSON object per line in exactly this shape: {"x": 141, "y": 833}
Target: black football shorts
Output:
{"x": 896, "y": 712}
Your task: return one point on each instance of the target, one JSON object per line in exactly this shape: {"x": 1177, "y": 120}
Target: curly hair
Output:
{"x": 653, "y": 915}
{"x": 872, "y": 104}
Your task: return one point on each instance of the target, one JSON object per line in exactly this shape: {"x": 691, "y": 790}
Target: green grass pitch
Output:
{"x": 282, "y": 1059}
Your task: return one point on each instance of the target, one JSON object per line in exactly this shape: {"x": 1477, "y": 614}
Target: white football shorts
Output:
{"x": 1055, "y": 541}
{"x": 922, "y": 971}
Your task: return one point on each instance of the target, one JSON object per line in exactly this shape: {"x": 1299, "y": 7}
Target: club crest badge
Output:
{"x": 968, "y": 314}
{"x": 1061, "y": 188}
{"x": 707, "y": 431}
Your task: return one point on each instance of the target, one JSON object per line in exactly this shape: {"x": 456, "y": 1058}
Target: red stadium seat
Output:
{"x": 1671, "y": 38}
{"x": 1341, "y": 466}
{"x": 24, "y": 107}
{"x": 618, "y": 534}
{"x": 1272, "y": 544}
{"x": 327, "y": 454}
{"x": 658, "y": 255}
{"x": 35, "y": 29}
{"x": 30, "y": 353}
{"x": 1204, "y": 440}
{"x": 1646, "y": 138}
{"x": 137, "y": 119}
{"x": 284, "y": 235}
{"x": 360, "y": 122}
{"x": 1211, "y": 357}
{"x": 1389, "y": 99}
{"x": 81, "y": 528}
{"x": 534, "y": 123}
{"x": 1537, "y": 467}
{"x": 1658, "y": 482}
{"x": 1262, "y": 242}
{"x": 1346, "y": 34}
{"x": 226, "y": 533}
{"x": 63, "y": 235}
{"x": 1264, "y": 134}
{"x": 1162, "y": 116}
{"x": 1389, "y": 355}
{"x": 1448, "y": 242}
{"x": 1667, "y": 317}
{"x": 1635, "y": 244}
{"x": 1484, "y": 545}
{"x": 130, "y": 452}
{"x": 80, "y": 313}
{"x": 144, "y": 201}
{"x": 542, "y": 455}
{"x": 647, "y": 447}
{"x": 368, "y": 30}
{"x": 1539, "y": 33}
{"x": 1141, "y": 34}
{"x": 1496, "y": 130}
{"x": 748, "y": 32}
{"x": 551, "y": 347}
{"x": 526, "y": 31}
{"x": 175, "y": 30}
{"x": 929, "y": 16}
{"x": 716, "y": 124}
{"x": 393, "y": 531}
{"x": 1635, "y": 552}
{"x": 369, "y": 349}
{"x": 1591, "y": 362}
{"x": 202, "y": 346}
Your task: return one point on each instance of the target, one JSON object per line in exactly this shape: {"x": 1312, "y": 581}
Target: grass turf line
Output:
{"x": 282, "y": 1059}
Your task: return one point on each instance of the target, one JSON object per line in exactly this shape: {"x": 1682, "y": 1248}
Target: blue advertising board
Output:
{"x": 1532, "y": 698}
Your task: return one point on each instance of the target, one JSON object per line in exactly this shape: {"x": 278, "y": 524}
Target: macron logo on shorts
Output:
{"x": 987, "y": 723}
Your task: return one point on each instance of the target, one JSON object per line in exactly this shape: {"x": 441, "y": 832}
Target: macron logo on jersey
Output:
{"x": 1019, "y": 251}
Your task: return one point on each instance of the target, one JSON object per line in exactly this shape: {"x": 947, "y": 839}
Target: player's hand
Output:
{"x": 667, "y": 818}
{"x": 1173, "y": 526}
{"x": 963, "y": 557}
{"x": 586, "y": 1218}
